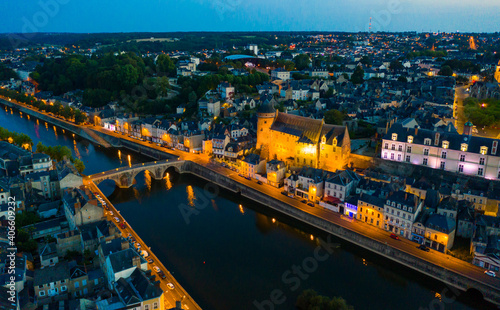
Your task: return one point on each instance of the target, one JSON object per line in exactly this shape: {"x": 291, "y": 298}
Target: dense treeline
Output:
{"x": 19, "y": 139}
{"x": 59, "y": 153}
{"x": 7, "y": 73}
{"x": 484, "y": 112}
{"x": 311, "y": 300}
{"x": 56, "y": 108}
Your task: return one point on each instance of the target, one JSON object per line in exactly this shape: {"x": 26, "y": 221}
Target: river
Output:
{"x": 231, "y": 253}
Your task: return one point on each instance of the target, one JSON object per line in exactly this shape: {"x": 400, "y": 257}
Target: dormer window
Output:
{"x": 463, "y": 147}
{"x": 446, "y": 144}
{"x": 323, "y": 140}
{"x": 484, "y": 150}
{"x": 427, "y": 141}
{"x": 334, "y": 142}
{"x": 410, "y": 139}
{"x": 394, "y": 136}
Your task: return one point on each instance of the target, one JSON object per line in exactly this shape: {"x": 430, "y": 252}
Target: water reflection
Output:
{"x": 190, "y": 195}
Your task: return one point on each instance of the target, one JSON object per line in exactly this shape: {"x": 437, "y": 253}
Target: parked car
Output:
{"x": 284, "y": 193}
{"x": 117, "y": 219}
{"x": 155, "y": 268}
{"x": 170, "y": 286}
{"x": 310, "y": 204}
{"x": 111, "y": 213}
{"x": 394, "y": 236}
{"x": 150, "y": 261}
{"x": 161, "y": 274}
{"x": 490, "y": 273}
{"x": 303, "y": 201}
{"x": 123, "y": 226}
{"x": 259, "y": 182}
{"x": 423, "y": 248}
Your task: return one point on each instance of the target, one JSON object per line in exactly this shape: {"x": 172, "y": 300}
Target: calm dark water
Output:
{"x": 228, "y": 257}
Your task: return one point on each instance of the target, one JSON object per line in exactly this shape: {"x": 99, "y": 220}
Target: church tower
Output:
{"x": 265, "y": 117}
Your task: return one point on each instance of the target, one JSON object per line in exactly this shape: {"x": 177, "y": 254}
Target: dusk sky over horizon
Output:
{"x": 250, "y": 15}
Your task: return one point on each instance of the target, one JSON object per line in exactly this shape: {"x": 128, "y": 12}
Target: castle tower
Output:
{"x": 265, "y": 117}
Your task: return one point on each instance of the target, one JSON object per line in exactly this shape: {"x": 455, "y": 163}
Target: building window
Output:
{"x": 463, "y": 147}
{"x": 393, "y": 147}
{"x": 400, "y": 148}
{"x": 407, "y": 158}
{"x": 146, "y": 307}
{"x": 410, "y": 139}
{"x": 481, "y": 161}
{"x": 84, "y": 282}
{"x": 442, "y": 165}
{"x": 446, "y": 144}
{"x": 394, "y": 136}
{"x": 63, "y": 288}
{"x": 494, "y": 148}
{"x": 392, "y": 156}
{"x": 408, "y": 149}
{"x": 424, "y": 162}
{"x": 385, "y": 155}
{"x": 399, "y": 157}
{"x": 41, "y": 293}
{"x": 427, "y": 141}
{"x": 77, "y": 285}
{"x": 462, "y": 157}
{"x": 386, "y": 146}
{"x": 426, "y": 152}
{"x": 460, "y": 168}
{"x": 480, "y": 171}
{"x": 443, "y": 155}
{"x": 484, "y": 150}
{"x": 155, "y": 305}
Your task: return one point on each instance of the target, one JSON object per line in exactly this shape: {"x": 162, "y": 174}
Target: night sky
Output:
{"x": 248, "y": 15}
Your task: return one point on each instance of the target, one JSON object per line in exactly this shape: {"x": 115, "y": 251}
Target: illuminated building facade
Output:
{"x": 465, "y": 154}
{"x": 301, "y": 141}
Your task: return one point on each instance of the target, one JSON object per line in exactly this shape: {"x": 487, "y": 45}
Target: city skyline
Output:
{"x": 236, "y": 15}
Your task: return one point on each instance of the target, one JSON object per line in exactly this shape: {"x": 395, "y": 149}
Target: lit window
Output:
{"x": 427, "y": 141}
{"x": 410, "y": 139}
{"x": 394, "y": 136}
{"x": 463, "y": 147}
{"x": 484, "y": 150}
{"x": 446, "y": 144}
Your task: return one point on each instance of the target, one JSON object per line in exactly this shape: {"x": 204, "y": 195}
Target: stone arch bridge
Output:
{"x": 124, "y": 176}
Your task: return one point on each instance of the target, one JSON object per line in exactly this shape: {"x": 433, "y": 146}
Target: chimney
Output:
{"x": 436, "y": 138}
{"x": 125, "y": 244}
{"x": 136, "y": 261}
{"x": 416, "y": 130}
{"x": 406, "y": 196}
{"x": 78, "y": 206}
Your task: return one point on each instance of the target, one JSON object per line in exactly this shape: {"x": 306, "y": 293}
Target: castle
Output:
{"x": 301, "y": 141}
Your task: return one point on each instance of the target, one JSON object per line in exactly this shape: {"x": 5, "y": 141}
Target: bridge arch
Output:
{"x": 474, "y": 294}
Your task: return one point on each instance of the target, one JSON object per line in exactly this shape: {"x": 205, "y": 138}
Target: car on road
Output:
{"x": 490, "y": 273}
{"x": 150, "y": 261}
{"x": 117, "y": 219}
{"x": 284, "y": 193}
{"x": 423, "y": 248}
{"x": 123, "y": 226}
{"x": 310, "y": 204}
{"x": 111, "y": 213}
{"x": 170, "y": 286}
{"x": 303, "y": 201}
{"x": 394, "y": 236}
{"x": 259, "y": 182}
{"x": 162, "y": 274}
{"x": 155, "y": 268}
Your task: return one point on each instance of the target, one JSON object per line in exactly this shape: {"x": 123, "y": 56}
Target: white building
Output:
{"x": 448, "y": 151}
{"x": 280, "y": 74}
{"x": 400, "y": 210}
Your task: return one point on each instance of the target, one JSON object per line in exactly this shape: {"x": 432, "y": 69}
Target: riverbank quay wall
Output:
{"x": 451, "y": 278}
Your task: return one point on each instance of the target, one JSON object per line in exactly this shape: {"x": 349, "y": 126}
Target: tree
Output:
{"x": 334, "y": 117}
{"x": 79, "y": 165}
{"x": 310, "y": 300}
{"x": 358, "y": 75}
{"x": 396, "y": 65}
{"x": 80, "y": 117}
{"x": 165, "y": 65}
{"x": 302, "y": 61}
{"x": 446, "y": 71}
{"x": 402, "y": 79}
{"x": 366, "y": 60}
